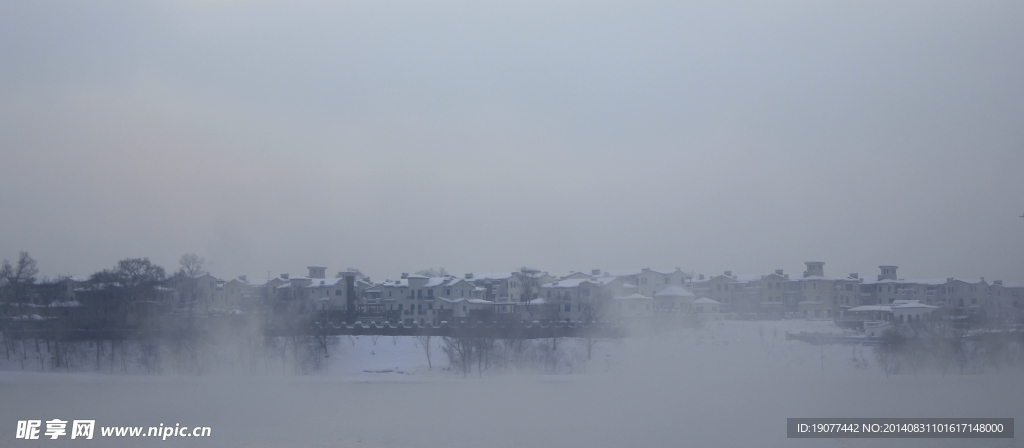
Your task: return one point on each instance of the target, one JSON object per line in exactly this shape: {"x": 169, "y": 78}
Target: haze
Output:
{"x": 394, "y": 136}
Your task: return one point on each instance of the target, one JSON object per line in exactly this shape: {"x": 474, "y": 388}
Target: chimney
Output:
{"x": 405, "y": 275}
{"x": 241, "y": 277}
{"x": 728, "y": 273}
{"x": 351, "y": 309}
{"x": 469, "y": 276}
{"x": 854, "y": 275}
{"x": 284, "y": 276}
{"x": 595, "y": 272}
{"x": 998, "y": 282}
{"x": 949, "y": 279}
{"x": 701, "y": 277}
{"x": 778, "y": 272}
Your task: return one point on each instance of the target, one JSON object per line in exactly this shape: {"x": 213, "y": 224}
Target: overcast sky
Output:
{"x": 569, "y": 135}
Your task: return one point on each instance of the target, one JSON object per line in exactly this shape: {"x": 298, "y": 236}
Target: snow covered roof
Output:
{"x": 463, "y": 299}
{"x": 325, "y": 282}
{"x": 605, "y": 280}
{"x": 493, "y": 276}
{"x": 913, "y": 304}
{"x": 744, "y": 278}
{"x": 434, "y": 281}
{"x": 929, "y": 281}
{"x": 663, "y": 271}
{"x": 820, "y": 278}
{"x": 674, "y": 291}
{"x": 635, "y": 297}
{"x": 865, "y": 308}
{"x": 623, "y": 272}
{"x": 45, "y": 280}
{"x": 401, "y": 283}
{"x": 706, "y": 301}
{"x": 968, "y": 280}
{"x": 569, "y": 283}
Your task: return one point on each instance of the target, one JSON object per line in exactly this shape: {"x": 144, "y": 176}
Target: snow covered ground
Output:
{"x": 730, "y": 383}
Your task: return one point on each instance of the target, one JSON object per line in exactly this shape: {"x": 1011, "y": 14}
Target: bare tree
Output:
{"x": 424, "y": 341}
{"x": 132, "y": 280}
{"x": 191, "y": 265}
{"x": 191, "y": 269}
{"x": 17, "y": 280}
{"x": 529, "y": 283}
{"x": 592, "y": 309}
{"x": 16, "y": 284}
{"x": 459, "y": 351}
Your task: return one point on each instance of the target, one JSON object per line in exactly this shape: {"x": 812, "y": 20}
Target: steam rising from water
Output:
{"x": 717, "y": 386}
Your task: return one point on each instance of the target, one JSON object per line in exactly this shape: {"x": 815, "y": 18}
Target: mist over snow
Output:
{"x": 729, "y": 383}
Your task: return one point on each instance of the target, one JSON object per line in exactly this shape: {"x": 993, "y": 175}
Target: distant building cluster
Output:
{"x": 525, "y": 295}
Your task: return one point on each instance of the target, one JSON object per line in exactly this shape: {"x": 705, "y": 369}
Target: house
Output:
{"x": 818, "y": 296}
{"x": 900, "y": 312}
{"x": 417, "y": 299}
{"x": 574, "y": 299}
{"x": 197, "y": 294}
{"x": 911, "y": 312}
{"x": 633, "y": 307}
{"x": 748, "y": 294}
{"x": 650, "y": 281}
{"x": 1007, "y": 299}
{"x": 674, "y": 300}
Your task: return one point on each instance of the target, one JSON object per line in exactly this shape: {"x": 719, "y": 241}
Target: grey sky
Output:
{"x": 391, "y": 136}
